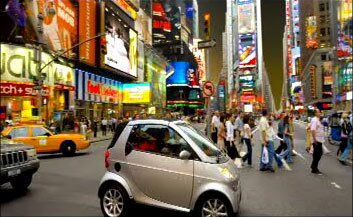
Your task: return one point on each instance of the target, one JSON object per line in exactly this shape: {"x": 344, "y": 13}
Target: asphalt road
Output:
{"x": 68, "y": 187}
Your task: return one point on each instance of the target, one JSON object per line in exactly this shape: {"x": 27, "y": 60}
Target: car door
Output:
{"x": 155, "y": 165}
{"x": 40, "y": 136}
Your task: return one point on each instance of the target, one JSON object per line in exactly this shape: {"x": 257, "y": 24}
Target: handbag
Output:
{"x": 264, "y": 157}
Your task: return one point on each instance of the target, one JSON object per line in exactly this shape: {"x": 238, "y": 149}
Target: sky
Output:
{"x": 273, "y": 21}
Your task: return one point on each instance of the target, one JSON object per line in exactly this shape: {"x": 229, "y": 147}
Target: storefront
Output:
{"x": 97, "y": 96}
{"x": 20, "y": 97}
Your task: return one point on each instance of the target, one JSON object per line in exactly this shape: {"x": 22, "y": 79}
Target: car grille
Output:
{"x": 13, "y": 158}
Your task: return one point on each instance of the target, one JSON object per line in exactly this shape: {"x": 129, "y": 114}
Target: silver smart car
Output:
{"x": 168, "y": 164}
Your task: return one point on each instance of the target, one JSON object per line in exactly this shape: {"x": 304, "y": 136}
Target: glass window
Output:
{"x": 323, "y": 31}
{"x": 327, "y": 6}
{"x": 323, "y": 57}
{"x": 156, "y": 139}
{"x": 19, "y": 132}
{"x": 322, "y": 7}
{"x": 38, "y": 131}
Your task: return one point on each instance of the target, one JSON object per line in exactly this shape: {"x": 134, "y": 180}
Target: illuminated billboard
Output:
{"x": 137, "y": 93}
{"x": 311, "y": 32}
{"x": 247, "y": 51}
{"x": 345, "y": 26}
{"x": 180, "y": 74}
{"x": 121, "y": 44}
{"x": 59, "y": 30}
{"x": 246, "y": 17}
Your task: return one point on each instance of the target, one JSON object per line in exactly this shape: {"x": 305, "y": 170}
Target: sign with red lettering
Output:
{"x": 101, "y": 89}
{"x": 93, "y": 87}
{"x": 17, "y": 89}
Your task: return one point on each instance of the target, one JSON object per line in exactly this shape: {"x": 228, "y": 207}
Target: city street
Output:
{"x": 68, "y": 187}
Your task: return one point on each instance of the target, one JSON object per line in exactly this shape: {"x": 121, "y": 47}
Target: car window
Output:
{"x": 38, "y": 131}
{"x": 19, "y": 132}
{"x": 118, "y": 130}
{"x": 158, "y": 139}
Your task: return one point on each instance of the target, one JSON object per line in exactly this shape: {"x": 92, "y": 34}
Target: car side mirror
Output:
{"x": 47, "y": 134}
{"x": 9, "y": 136}
{"x": 184, "y": 155}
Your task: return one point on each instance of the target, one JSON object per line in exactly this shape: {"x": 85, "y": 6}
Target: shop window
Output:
{"x": 19, "y": 132}
{"x": 157, "y": 139}
{"x": 38, "y": 131}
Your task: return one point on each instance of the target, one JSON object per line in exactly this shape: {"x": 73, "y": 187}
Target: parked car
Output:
{"x": 46, "y": 141}
{"x": 18, "y": 164}
{"x": 167, "y": 164}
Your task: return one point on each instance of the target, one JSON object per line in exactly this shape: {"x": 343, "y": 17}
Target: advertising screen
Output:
{"x": 246, "y": 18}
{"x": 166, "y": 25}
{"x": 87, "y": 30}
{"x": 137, "y": 93}
{"x": 121, "y": 45}
{"x": 59, "y": 22}
{"x": 345, "y": 26}
{"x": 247, "y": 51}
{"x": 180, "y": 75}
{"x": 311, "y": 33}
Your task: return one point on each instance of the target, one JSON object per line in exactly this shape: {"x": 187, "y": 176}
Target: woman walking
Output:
{"x": 346, "y": 128}
{"x": 247, "y": 139}
{"x": 287, "y": 139}
{"x": 221, "y": 133}
{"x": 230, "y": 145}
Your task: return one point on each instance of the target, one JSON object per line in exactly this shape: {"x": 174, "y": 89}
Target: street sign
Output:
{"x": 206, "y": 44}
{"x": 208, "y": 89}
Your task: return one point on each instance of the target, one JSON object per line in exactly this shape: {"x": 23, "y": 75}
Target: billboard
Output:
{"x": 311, "y": 33}
{"x": 59, "y": 23}
{"x": 137, "y": 93}
{"x": 247, "y": 51}
{"x": 246, "y": 17}
{"x": 87, "y": 29}
{"x": 166, "y": 24}
{"x": 345, "y": 35}
{"x": 121, "y": 44}
{"x": 180, "y": 75}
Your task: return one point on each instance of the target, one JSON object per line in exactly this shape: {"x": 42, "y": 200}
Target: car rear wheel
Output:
{"x": 68, "y": 148}
{"x": 21, "y": 183}
{"x": 114, "y": 201}
{"x": 214, "y": 206}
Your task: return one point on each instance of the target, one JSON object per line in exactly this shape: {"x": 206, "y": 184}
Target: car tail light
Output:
{"x": 106, "y": 158}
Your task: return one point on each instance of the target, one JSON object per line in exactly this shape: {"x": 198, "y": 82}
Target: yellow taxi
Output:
{"x": 46, "y": 141}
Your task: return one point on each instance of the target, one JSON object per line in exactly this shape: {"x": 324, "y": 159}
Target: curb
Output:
{"x": 100, "y": 140}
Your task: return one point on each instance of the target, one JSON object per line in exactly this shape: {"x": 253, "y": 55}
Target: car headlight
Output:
{"x": 31, "y": 153}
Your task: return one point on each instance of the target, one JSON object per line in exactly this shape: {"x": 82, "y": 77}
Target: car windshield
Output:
{"x": 208, "y": 147}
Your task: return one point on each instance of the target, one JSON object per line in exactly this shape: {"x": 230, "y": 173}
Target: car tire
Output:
{"x": 213, "y": 203}
{"x": 21, "y": 183}
{"x": 68, "y": 148}
{"x": 118, "y": 198}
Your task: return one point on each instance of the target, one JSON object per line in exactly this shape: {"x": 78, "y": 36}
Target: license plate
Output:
{"x": 14, "y": 172}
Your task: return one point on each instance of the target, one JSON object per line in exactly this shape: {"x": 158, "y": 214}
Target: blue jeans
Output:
{"x": 271, "y": 155}
{"x": 345, "y": 154}
{"x": 288, "y": 152}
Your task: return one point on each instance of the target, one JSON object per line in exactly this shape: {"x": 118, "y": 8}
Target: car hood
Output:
{"x": 13, "y": 146}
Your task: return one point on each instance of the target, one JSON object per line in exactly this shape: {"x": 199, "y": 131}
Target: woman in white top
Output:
{"x": 247, "y": 139}
{"x": 221, "y": 134}
{"x": 231, "y": 149}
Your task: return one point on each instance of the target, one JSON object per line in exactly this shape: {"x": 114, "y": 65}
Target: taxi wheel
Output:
{"x": 68, "y": 148}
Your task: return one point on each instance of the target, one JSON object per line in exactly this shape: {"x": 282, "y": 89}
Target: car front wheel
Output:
{"x": 114, "y": 201}
{"x": 214, "y": 206}
{"x": 21, "y": 183}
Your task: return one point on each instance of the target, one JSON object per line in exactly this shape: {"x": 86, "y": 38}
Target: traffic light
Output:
{"x": 207, "y": 20}
{"x": 103, "y": 43}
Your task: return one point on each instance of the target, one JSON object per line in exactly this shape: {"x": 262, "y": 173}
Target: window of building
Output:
{"x": 323, "y": 57}
{"x": 322, "y": 7}
{"x": 327, "y": 6}
{"x": 323, "y": 31}
{"x": 322, "y": 19}
{"x": 328, "y": 31}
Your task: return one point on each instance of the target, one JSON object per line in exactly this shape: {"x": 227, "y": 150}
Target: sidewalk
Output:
{"x": 100, "y": 137}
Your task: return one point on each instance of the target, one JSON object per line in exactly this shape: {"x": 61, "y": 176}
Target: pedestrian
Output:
{"x": 221, "y": 133}
{"x": 308, "y": 138}
{"x": 287, "y": 154}
{"x": 247, "y": 139}
{"x": 291, "y": 134}
{"x": 214, "y": 127}
{"x": 265, "y": 134}
{"x": 280, "y": 134}
{"x": 230, "y": 145}
{"x": 95, "y": 127}
{"x": 348, "y": 149}
{"x": 104, "y": 126}
{"x": 110, "y": 125}
{"x": 239, "y": 127}
{"x": 346, "y": 129}
{"x": 318, "y": 137}
{"x": 114, "y": 122}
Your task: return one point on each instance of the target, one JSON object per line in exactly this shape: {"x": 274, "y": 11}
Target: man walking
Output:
{"x": 318, "y": 136}
{"x": 104, "y": 126}
{"x": 214, "y": 126}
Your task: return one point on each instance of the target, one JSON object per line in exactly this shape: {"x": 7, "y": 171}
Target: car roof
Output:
{"x": 155, "y": 121}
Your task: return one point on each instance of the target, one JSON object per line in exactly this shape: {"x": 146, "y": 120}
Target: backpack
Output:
{"x": 347, "y": 128}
